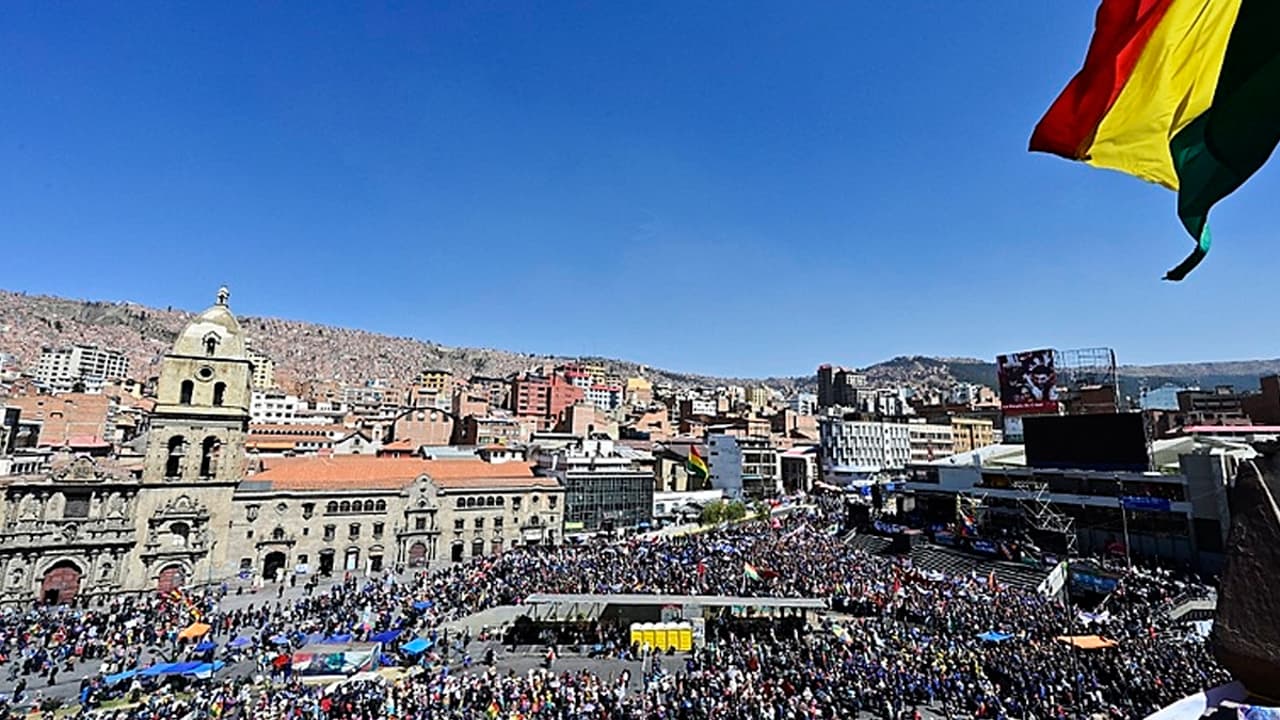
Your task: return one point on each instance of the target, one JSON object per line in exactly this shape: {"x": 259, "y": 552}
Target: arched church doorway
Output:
{"x": 61, "y": 584}
{"x": 171, "y": 578}
{"x": 455, "y": 553}
{"x": 417, "y": 555}
{"x": 272, "y": 564}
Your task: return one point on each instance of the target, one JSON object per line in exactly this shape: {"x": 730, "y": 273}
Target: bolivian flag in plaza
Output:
{"x": 695, "y": 465}
{"x": 1183, "y": 93}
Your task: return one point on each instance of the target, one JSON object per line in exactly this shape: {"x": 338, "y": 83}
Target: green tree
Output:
{"x": 713, "y": 513}
{"x": 735, "y": 511}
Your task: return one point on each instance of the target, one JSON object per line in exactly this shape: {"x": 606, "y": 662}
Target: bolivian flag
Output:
{"x": 696, "y": 466}
{"x": 750, "y": 572}
{"x": 1183, "y": 93}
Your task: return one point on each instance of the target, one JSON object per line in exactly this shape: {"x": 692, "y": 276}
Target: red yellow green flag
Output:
{"x": 1182, "y": 93}
{"x": 696, "y": 466}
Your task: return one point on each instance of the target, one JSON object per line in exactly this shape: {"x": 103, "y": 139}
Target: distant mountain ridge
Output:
{"x": 305, "y": 351}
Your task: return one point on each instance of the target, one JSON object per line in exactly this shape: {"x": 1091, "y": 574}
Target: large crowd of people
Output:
{"x": 905, "y": 641}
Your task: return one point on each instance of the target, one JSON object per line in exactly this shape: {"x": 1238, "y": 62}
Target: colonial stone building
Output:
{"x": 360, "y": 513}
{"x": 189, "y": 515}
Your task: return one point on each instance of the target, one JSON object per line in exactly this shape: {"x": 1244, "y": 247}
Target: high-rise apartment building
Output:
{"x": 858, "y": 450}
{"x": 84, "y": 368}
{"x": 838, "y": 386}
{"x": 264, "y": 370}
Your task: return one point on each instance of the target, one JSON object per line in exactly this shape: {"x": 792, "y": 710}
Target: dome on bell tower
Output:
{"x": 214, "y": 333}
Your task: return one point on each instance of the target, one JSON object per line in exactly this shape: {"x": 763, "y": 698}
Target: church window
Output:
{"x": 211, "y": 345}
{"x": 459, "y": 503}
{"x": 345, "y": 506}
{"x": 188, "y": 388}
{"x": 357, "y": 506}
{"x": 308, "y": 509}
{"x": 354, "y": 530}
{"x": 277, "y": 534}
{"x": 77, "y": 505}
{"x": 378, "y": 529}
{"x": 381, "y": 506}
{"x": 173, "y": 463}
{"x": 179, "y": 533}
{"x": 490, "y": 501}
{"x": 330, "y": 531}
{"x": 331, "y": 508}
{"x": 210, "y": 449}
{"x": 219, "y": 392}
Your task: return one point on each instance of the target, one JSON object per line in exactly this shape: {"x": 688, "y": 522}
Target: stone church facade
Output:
{"x": 189, "y": 516}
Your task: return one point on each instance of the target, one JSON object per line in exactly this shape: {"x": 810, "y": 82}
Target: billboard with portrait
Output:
{"x": 1028, "y": 382}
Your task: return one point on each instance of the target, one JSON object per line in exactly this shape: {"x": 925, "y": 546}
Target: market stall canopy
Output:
{"x": 193, "y": 631}
{"x": 415, "y": 646}
{"x": 1087, "y": 642}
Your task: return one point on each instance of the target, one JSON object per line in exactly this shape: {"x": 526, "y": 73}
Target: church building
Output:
{"x": 190, "y": 516}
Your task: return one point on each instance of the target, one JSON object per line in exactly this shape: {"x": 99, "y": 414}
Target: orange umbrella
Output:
{"x": 193, "y": 631}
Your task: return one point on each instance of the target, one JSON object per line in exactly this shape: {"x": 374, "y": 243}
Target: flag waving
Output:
{"x": 749, "y": 572}
{"x": 696, "y": 465}
{"x": 1182, "y": 93}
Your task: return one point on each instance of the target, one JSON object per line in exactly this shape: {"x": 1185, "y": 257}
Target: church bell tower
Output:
{"x": 202, "y": 404}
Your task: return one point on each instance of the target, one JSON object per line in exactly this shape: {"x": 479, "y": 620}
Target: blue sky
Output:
{"x": 732, "y": 188}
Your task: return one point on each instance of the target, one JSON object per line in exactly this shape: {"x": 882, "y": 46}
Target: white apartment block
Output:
{"x": 804, "y": 403}
{"x": 930, "y": 442}
{"x": 276, "y": 408}
{"x": 264, "y": 370}
{"x": 858, "y": 449}
{"x": 605, "y": 397}
{"x": 61, "y": 369}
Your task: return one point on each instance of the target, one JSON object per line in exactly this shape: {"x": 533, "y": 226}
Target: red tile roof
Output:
{"x": 342, "y": 472}
{"x": 64, "y": 416}
{"x": 356, "y": 472}
{"x": 464, "y": 474}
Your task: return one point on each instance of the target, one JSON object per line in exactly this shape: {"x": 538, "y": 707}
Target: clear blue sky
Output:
{"x": 732, "y": 188}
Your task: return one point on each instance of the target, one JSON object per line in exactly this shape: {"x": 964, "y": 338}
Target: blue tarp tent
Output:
{"x": 119, "y": 677}
{"x": 340, "y": 639}
{"x": 995, "y": 637}
{"x": 415, "y": 646}
{"x": 280, "y": 639}
{"x": 385, "y": 636}
{"x": 154, "y": 670}
{"x": 206, "y": 646}
{"x": 182, "y": 668}
{"x": 205, "y": 671}
{"x": 238, "y": 642}
{"x": 422, "y": 604}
